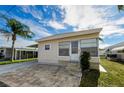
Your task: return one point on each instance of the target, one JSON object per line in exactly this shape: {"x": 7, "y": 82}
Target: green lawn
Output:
{"x": 113, "y": 77}
{"x": 17, "y": 61}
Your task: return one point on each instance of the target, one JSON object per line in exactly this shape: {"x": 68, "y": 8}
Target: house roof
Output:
{"x": 4, "y": 47}
{"x": 118, "y": 48}
{"x": 22, "y": 49}
{"x": 76, "y": 33}
{"x": 121, "y": 44}
{"x": 33, "y": 45}
{"x": 27, "y": 49}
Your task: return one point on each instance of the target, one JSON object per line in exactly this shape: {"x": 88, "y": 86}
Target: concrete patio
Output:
{"x": 39, "y": 75}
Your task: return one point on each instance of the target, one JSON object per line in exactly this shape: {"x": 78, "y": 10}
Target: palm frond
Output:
{"x": 24, "y": 31}
{"x": 101, "y": 39}
{"x": 17, "y": 28}
{"x": 26, "y": 34}
{"x": 120, "y": 7}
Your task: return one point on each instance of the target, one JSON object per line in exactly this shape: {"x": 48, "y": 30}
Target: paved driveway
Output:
{"x": 43, "y": 76}
{"x": 15, "y": 66}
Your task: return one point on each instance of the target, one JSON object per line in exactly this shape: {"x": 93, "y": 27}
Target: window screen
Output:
{"x": 47, "y": 47}
{"x": 89, "y": 45}
{"x": 64, "y": 48}
{"x": 92, "y": 50}
{"x": 74, "y": 47}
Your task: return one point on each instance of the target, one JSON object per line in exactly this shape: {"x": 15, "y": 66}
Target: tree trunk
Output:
{"x": 13, "y": 43}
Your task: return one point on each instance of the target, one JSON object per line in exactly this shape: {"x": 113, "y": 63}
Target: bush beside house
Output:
{"x": 85, "y": 61}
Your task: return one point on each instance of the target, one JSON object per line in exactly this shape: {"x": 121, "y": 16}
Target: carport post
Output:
{"x": 20, "y": 54}
{"x": 15, "y": 53}
{"x": 33, "y": 54}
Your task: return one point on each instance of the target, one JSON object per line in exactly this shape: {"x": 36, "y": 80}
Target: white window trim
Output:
{"x": 49, "y": 47}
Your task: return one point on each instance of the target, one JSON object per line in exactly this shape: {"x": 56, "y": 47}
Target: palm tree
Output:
{"x": 101, "y": 39}
{"x": 120, "y": 7}
{"x": 16, "y": 28}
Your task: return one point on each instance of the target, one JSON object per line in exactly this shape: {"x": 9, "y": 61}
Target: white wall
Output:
{"x": 48, "y": 56}
{"x": 51, "y": 56}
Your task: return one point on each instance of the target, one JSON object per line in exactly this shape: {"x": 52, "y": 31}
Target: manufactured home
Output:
{"x": 20, "y": 53}
{"x": 115, "y": 52}
{"x": 67, "y": 47}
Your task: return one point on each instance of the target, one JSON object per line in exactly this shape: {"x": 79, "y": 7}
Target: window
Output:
{"x": 92, "y": 50}
{"x": 64, "y": 48}
{"x": 74, "y": 46}
{"x": 24, "y": 52}
{"x": 47, "y": 47}
{"x": 89, "y": 45}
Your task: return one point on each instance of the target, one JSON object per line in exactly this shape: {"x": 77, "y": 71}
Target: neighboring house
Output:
{"x": 101, "y": 52}
{"x": 20, "y": 53}
{"x": 115, "y": 52}
{"x": 5, "y": 52}
{"x": 68, "y": 46}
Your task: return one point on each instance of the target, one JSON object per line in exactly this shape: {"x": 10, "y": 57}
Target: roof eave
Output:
{"x": 98, "y": 30}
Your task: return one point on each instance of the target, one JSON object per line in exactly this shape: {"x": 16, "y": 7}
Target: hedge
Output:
{"x": 17, "y": 61}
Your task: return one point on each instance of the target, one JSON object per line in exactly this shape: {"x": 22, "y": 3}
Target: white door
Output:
{"x": 74, "y": 51}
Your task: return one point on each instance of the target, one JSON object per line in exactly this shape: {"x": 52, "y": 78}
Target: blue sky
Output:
{"x": 48, "y": 20}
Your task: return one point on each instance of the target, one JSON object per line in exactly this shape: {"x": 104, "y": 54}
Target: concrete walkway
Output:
{"x": 15, "y": 66}
{"x": 102, "y": 69}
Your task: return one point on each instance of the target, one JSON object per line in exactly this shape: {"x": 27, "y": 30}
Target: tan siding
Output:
{"x": 48, "y": 55}
{"x": 51, "y": 56}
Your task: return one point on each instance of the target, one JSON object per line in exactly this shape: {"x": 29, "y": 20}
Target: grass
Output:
{"x": 17, "y": 61}
{"x": 113, "y": 78}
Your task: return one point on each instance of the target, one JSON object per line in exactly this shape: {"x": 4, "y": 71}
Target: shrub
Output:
{"x": 84, "y": 60}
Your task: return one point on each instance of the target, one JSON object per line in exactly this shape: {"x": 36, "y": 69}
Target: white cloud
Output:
{"x": 20, "y": 42}
{"x": 33, "y": 11}
{"x": 4, "y": 41}
{"x": 56, "y": 25}
{"x": 72, "y": 15}
{"x": 80, "y": 17}
{"x": 84, "y": 17}
{"x": 36, "y": 28}
{"x": 112, "y": 30}
{"x": 103, "y": 45}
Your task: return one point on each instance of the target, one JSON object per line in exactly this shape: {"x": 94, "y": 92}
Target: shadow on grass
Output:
{"x": 90, "y": 78}
{"x": 116, "y": 61}
{"x": 2, "y": 84}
